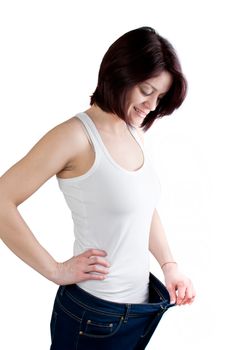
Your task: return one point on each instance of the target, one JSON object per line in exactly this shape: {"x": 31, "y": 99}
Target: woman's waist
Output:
{"x": 73, "y": 296}
{"x": 123, "y": 286}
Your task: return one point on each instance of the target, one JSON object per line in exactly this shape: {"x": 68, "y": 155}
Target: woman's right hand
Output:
{"x": 89, "y": 265}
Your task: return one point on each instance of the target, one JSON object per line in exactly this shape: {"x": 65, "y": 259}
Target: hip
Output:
{"x": 80, "y": 319}
{"x": 121, "y": 286}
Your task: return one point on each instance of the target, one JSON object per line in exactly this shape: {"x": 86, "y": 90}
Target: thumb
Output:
{"x": 172, "y": 293}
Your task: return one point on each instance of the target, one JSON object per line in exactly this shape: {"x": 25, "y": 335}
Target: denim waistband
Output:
{"x": 80, "y": 297}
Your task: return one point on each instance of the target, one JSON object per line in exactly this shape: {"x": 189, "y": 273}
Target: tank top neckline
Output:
{"x": 132, "y": 132}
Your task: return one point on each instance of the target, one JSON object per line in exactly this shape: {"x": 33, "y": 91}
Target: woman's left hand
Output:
{"x": 179, "y": 286}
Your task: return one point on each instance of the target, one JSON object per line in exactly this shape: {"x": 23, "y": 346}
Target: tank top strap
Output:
{"x": 95, "y": 137}
{"x": 89, "y": 130}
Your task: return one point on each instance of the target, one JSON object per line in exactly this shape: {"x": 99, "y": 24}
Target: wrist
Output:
{"x": 168, "y": 265}
{"x": 54, "y": 273}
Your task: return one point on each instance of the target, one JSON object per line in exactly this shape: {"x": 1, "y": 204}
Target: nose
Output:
{"x": 151, "y": 103}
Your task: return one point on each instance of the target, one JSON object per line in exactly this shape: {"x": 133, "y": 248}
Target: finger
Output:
{"x": 193, "y": 296}
{"x": 181, "y": 289}
{"x": 191, "y": 300}
{"x": 90, "y": 276}
{"x": 96, "y": 268}
{"x": 172, "y": 293}
{"x": 93, "y": 252}
{"x": 189, "y": 295}
{"x": 98, "y": 260}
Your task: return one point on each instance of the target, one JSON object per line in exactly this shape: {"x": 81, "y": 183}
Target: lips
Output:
{"x": 140, "y": 112}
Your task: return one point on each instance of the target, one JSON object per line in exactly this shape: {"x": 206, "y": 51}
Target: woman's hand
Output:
{"x": 89, "y": 265}
{"x": 179, "y": 286}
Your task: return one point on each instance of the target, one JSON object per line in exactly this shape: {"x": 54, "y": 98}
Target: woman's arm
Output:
{"x": 48, "y": 156}
{"x": 179, "y": 286}
{"x": 158, "y": 244}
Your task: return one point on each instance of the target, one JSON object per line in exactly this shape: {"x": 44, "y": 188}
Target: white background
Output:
{"x": 50, "y": 56}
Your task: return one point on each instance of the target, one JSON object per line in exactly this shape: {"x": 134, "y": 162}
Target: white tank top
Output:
{"x": 112, "y": 208}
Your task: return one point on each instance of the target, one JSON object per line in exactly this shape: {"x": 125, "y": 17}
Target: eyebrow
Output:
{"x": 155, "y": 89}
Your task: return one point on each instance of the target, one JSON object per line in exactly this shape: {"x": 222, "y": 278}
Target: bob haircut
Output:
{"x": 136, "y": 56}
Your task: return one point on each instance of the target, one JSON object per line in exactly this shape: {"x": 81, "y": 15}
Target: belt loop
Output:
{"x": 125, "y": 317}
{"x": 164, "y": 305}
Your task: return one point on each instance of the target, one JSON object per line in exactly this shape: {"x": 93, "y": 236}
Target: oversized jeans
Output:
{"x": 81, "y": 321}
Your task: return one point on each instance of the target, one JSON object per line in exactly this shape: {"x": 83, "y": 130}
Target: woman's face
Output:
{"x": 145, "y": 96}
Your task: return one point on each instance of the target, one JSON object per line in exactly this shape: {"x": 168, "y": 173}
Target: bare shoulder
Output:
{"x": 71, "y": 139}
{"x": 47, "y": 157}
{"x": 72, "y": 124}
{"x": 73, "y": 130}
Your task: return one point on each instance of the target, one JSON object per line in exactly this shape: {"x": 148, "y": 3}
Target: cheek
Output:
{"x": 136, "y": 98}
{"x": 129, "y": 102}
{"x": 133, "y": 99}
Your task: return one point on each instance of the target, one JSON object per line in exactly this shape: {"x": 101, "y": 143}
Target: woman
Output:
{"x": 107, "y": 297}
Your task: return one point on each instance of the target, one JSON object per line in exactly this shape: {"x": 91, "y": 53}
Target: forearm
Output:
{"x": 158, "y": 244}
{"x": 17, "y": 236}
{"x": 178, "y": 285}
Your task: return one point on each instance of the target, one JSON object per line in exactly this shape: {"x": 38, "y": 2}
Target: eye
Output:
{"x": 145, "y": 93}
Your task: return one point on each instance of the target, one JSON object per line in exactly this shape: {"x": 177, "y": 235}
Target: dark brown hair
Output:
{"x": 136, "y": 56}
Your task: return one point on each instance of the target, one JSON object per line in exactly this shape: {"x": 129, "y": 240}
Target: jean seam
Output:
{"x": 67, "y": 311}
{"x": 106, "y": 313}
{"x": 106, "y": 335}
{"x": 92, "y": 309}
{"x": 152, "y": 323}
{"x": 160, "y": 283}
{"x": 53, "y": 325}
{"x": 158, "y": 291}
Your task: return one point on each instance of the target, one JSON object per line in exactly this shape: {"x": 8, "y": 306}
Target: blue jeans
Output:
{"x": 81, "y": 321}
